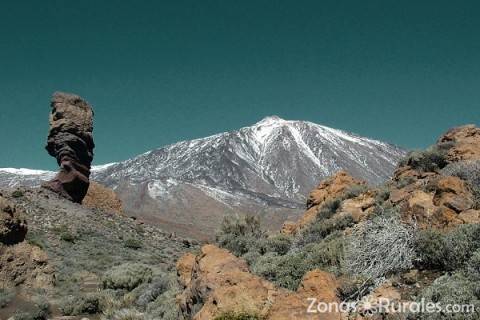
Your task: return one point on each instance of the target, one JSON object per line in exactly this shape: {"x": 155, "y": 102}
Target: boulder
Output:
{"x": 329, "y": 189}
{"x": 26, "y": 266}
{"x": 185, "y": 268}
{"x": 220, "y": 283}
{"x": 453, "y": 193}
{"x": 102, "y": 198}
{"x": 359, "y": 207}
{"x": 70, "y": 141}
{"x": 13, "y": 226}
{"x": 470, "y": 216}
{"x": 289, "y": 227}
{"x": 465, "y": 142}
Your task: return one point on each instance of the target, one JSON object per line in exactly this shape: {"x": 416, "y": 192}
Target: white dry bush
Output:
{"x": 379, "y": 247}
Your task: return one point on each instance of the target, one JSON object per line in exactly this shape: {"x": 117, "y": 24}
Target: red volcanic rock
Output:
{"x": 70, "y": 141}
{"x": 466, "y": 143}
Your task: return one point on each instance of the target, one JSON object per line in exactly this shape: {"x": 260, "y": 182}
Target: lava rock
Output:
{"x": 70, "y": 141}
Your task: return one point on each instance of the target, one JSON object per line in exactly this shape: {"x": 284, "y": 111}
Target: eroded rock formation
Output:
{"x": 216, "y": 282}
{"x": 103, "y": 198}
{"x": 13, "y": 226}
{"x": 329, "y": 189}
{"x": 70, "y": 141}
{"x": 465, "y": 141}
{"x": 25, "y": 267}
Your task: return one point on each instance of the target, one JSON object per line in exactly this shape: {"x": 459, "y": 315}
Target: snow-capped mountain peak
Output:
{"x": 268, "y": 167}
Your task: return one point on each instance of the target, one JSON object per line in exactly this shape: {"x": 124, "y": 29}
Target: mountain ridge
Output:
{"x": 265, "y": 169}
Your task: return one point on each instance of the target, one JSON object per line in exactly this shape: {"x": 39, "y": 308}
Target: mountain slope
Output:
{"x": 265, "y": 169}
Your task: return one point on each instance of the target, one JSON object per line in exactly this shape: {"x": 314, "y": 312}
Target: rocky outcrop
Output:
{"x": 329, "y": 189}
{"x": 26, "y": 267}
{"x": 184, "y": 268}
{"x": 465, "y": 142}
{"x": 102, "y": 198}
{"x": 13, "y": 226}
{"x": 70, "y": 141}
{"x": 437, "y": 202}
{"x": 217, "y": 282}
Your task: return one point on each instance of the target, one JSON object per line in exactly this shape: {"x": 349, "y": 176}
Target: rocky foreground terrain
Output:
{"x": 61, "y": 265}
{"x": 266, "y": 170}
{"x": 415, "y": 237}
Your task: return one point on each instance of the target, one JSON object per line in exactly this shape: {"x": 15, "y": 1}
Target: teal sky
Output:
{"x": 158, "y": 72}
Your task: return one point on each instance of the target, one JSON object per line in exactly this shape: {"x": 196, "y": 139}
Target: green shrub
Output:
{"x": 252, "y": 256}
{"x": 450, "y": 251}
{"x": 64, "y": 233}
{"x": 279, "y": 244}
{"x": 165, "y": 306}
{"x": 5, "y": 297}
{"x": 460, "y": 244}
{"x": 382, "y": 195}
{"x": 67, "y": 236}
{"x": 452, "y": 290}
{"x": 328, "y": 209}
{"x": 18, "y": 194}
{"x": 327, "y": 254}
{"x": 35, "y": 239}
{"x": 157, "y": 287}
{"x": 40, "y": 311}
{"x": 354, "y": 191}
{"x": 320, "y": 229}
{"x": 286, "y": 271}
{"x": 241, "y": 235}
{"x": 238, "y": 316}
{"x": 430, "y": 249}
{"x": 132, "y": 243}
{"x": 80, "y": 305}
{"x": 430, "y": 160}
{"x": 32, "y": 315}
{"x": 127, "y": 276}
{"x": 405, "y": 181}
{"x": 473, "y": 266}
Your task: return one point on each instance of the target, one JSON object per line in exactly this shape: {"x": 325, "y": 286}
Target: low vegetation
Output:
{"x": 455, "y": 289}
{"x": 241, "y": 235}
{"x": 431, "y": 160}
{"x": 285, "y": 259}
{"x": 132, "y": 243}
{"x": 447, "y": 251}
{"x": 127, "y": 276}
{"x": 5, "y": 297}
{"x": 106, "y": 267}
{"x": 39, "y": 311}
